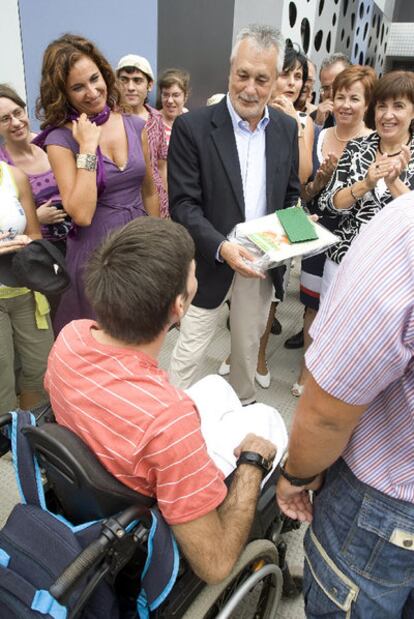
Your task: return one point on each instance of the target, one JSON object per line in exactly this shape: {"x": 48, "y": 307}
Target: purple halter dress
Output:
{"x": 119, "y": 203}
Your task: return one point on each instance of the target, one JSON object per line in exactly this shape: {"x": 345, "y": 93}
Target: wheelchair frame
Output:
{"x": 120, "y": 539}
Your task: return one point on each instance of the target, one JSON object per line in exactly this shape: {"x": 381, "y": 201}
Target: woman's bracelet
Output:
{"x": 353, "y": 195}
{"x": 87, "y": 161}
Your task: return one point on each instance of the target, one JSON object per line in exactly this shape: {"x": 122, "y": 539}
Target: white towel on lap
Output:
{"x": 225, "y": 422}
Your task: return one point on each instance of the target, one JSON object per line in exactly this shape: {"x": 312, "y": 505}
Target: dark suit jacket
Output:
{"x": 206, "y": 191}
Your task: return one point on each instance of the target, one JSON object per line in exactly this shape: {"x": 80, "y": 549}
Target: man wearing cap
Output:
{"x": 136, "y": 80}
{"x": 229, "y": 163}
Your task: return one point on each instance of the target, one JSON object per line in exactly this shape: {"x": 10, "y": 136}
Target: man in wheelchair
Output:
{"x": 105, "y": 385}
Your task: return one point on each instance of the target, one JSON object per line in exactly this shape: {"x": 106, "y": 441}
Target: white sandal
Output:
{"x": 263, "y": 379}
{"x": 296, "y": 390}
{"x": 224, "y": 369}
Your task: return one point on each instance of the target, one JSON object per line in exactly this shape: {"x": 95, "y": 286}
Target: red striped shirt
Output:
{"x": 142, "y": 429}
{"x": 158, "y": 150}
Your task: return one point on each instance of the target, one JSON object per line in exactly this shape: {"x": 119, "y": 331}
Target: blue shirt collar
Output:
{"x": 239, "y": 123}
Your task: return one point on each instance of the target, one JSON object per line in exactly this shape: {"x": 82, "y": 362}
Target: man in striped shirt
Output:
{"x": 353, "y": 431}
{"x": 105, "y": 385}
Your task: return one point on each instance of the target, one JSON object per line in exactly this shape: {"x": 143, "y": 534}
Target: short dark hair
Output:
{"x": 136, "y": 274}
{"x": 172, "y": 77}
{"x": 392, "y": 85}
{"x": 7, "y": 92}
{"x": 130, "y": 70}
{"x": 294, "y": 56}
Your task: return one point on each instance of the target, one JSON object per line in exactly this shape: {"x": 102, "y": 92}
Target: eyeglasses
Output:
{"x": 7, "y": 118}
{"x": 174, "y": 95}
{"x": 326, "y": 90}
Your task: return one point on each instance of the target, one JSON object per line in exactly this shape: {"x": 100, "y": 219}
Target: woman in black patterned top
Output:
{"x": 375, "y": 169}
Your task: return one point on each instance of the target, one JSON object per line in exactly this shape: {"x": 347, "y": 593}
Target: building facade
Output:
{"x": 198, "y": 34}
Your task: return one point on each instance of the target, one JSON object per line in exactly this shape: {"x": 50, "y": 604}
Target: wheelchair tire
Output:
{"x": 214, "y": 598}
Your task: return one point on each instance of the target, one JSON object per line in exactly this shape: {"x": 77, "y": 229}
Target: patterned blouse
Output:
{"x": 352, "y": 167}
{"x": 158, "y": 150}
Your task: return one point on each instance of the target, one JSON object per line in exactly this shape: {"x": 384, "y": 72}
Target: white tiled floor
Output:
{"x": 283, "y": 365}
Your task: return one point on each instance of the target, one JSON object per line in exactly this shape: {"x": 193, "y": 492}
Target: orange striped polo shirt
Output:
{"x": 143, "y": 430}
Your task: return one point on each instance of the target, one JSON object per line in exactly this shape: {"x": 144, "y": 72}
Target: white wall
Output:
{"x": 261, "y": 12}
{"x": 401, "y": 40}
{"x": 11, "y": 54}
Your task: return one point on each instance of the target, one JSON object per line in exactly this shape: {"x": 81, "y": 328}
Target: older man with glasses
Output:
{"x": 330, "y": 68}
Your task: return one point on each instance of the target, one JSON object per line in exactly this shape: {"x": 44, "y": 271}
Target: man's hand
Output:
{"x": 294, "y": 501}
{"x": 213, "y": 543}
{"x": 324, "y": 108}
{"x": 260, "y": 445}
{"x": 237, "y": 257}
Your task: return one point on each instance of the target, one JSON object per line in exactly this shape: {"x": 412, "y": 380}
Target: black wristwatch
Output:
{"x": 294, "y": 481}
{"x": 257, "y": 460}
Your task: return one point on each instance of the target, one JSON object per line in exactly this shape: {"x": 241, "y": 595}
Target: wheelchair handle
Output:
{"x": 113, "y": 530}
{"x": 63, "y": 586}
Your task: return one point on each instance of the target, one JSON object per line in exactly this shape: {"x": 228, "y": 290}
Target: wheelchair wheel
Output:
{"x": 252, "y": 591}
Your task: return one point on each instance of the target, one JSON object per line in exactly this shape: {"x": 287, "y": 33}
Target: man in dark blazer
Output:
{"x": 229, "y": 163}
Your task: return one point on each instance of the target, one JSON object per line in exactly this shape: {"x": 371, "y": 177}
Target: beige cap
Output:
{"x": 215, "y": 98}
{"x": 139, "y": 62}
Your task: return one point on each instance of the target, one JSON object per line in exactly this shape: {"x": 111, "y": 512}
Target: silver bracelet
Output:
{"x": 87, "y": 161}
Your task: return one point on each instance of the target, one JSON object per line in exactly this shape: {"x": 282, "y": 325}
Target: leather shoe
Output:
{"x": 276, "y": 327}
{"x": 296, "y": 341}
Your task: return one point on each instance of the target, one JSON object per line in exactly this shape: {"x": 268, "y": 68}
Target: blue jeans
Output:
{"x": 359, "y": 552}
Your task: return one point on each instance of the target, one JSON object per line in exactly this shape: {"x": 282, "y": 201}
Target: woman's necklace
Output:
{"x": 392, "y": 154}
{"x": 347, "y": 139}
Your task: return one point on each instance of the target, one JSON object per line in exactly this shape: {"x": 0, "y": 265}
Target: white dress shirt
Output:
{"x": 251, "y": 148}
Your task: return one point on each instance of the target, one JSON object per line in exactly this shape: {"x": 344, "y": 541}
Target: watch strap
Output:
{"x": 296, "y": 481}
{"x": 255, "y": 459}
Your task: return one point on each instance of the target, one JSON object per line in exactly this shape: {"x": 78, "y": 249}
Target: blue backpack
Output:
{"x": 36, "y": 546}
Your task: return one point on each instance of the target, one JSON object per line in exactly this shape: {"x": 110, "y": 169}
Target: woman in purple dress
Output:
{"x": 99, "y": 156}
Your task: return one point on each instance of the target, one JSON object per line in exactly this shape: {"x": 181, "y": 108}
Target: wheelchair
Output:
{"x": 80, "y": 489}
